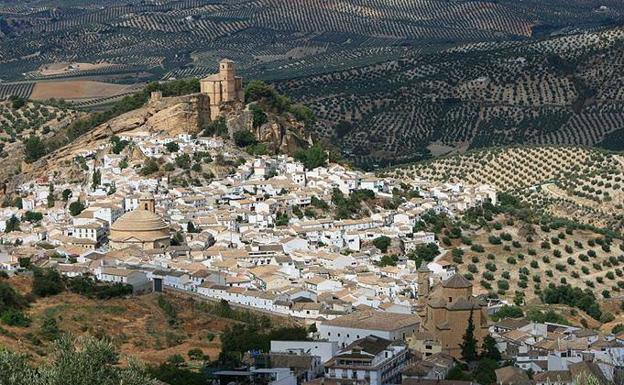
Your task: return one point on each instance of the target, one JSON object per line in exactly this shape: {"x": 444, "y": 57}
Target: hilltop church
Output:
{"x": 223, "y": 87}
{"x": 444, "y": 310}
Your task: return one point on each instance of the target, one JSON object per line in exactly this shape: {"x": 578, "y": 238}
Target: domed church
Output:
{"x": 446, "y": 308}
{"x": 141, "y": 227}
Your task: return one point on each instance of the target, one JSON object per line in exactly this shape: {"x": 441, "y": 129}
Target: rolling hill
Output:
{"x": 391, "y": 81}
{"x": 562, "y": 90}
{"x": 274, "y": 38}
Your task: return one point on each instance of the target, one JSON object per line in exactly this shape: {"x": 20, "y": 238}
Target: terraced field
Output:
{"x": 578, "y": 183}
{"x": 564, "y": 90}
{"x": 271, "y": 38}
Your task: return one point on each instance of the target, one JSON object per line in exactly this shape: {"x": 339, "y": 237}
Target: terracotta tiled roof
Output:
{"x": 375, "y": 320}
{"x": 457, "y": 281}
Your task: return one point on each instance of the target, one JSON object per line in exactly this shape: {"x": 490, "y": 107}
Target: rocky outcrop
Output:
{"x": 282, "y": 136}
{"x": 181, "y": 115}
{"x": 239, "y": 121}
{"x": 174, "y": 116}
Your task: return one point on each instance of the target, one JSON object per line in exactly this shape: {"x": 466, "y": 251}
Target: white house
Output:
{"x": 372, "y": 360}
{"x": 326, "y": 350}
{"x": 359, "y": 324}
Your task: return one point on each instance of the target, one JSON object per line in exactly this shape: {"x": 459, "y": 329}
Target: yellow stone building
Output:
{"x": 223, "y": 87}
{"x": 445, "y": 310}
{"x": 141, "y": 227}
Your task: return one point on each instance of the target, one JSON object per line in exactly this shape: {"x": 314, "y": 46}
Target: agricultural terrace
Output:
{"x": 512, "y": 252}
{"x": 562, "y": 90}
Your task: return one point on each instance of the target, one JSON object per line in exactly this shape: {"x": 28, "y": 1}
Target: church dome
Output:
{"x": 140, "y": 227}
{"x": 140, "y": 220}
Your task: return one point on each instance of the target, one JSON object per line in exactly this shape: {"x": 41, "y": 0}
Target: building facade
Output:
{"x": 370, "y": 360}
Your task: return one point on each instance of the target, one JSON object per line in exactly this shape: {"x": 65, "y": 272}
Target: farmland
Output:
{"x": 391, "y": 81}
{"x": 80, "y": 90}
{"x": 518, "y": 259}
{"x": 558, "y": 91}
{"x": 578, "y": 183}
{"x": 270, "y": 38}
{"x": 31, "y": 119}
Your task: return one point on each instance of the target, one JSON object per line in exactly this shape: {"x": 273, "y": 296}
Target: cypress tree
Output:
{"x": 489, "y": 349}
{"x": 469, "y": 346}
{"x": 51, "y": 197}
{"x": 97, "y": 179}
{"x": 190, "y": 228}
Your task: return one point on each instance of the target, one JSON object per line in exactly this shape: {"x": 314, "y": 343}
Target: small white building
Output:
{"x": 351, "y": 327}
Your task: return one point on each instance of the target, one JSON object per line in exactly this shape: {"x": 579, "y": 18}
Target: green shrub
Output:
{"x": 49, "y": 329}
{"x": 507, "y": 311}
{"x": 244, "y": 138}
{"x": 477, "y": 248}
{"x": 14, "y": 317}
{"x": 47, "y": 282}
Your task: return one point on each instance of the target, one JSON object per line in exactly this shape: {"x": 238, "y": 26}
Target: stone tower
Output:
{"x": 223, "y": 87}
{"x": 227, "y": 73}
{"x": 148, "y": 203}
{"x": 423, "y": 284}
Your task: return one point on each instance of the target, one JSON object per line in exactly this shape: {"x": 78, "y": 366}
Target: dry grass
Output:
{"x": 136, "y": 325}
{"x": 79, "y": 90}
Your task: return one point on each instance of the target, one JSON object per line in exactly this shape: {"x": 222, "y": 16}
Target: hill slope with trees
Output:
{"x": 560, "y": 90}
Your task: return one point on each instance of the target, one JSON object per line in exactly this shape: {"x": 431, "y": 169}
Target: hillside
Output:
{"x": 534, "y": 261}
{"x": 265, "y": 129}
{"x": 579, "y": 183}
{"x": 131, "y": 40}
{"x": 533, "y": 256}
{"x": 21, "y": 119}
{"x": 151, "y": 328}
{"x": 391, "y": 81}
{"x": 138, "y": 326}
{"x": 560, "y": 90}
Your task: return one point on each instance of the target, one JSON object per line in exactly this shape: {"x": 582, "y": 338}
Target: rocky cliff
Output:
{"x": 173, "y": 116}
{"x": 281, "y": 134}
